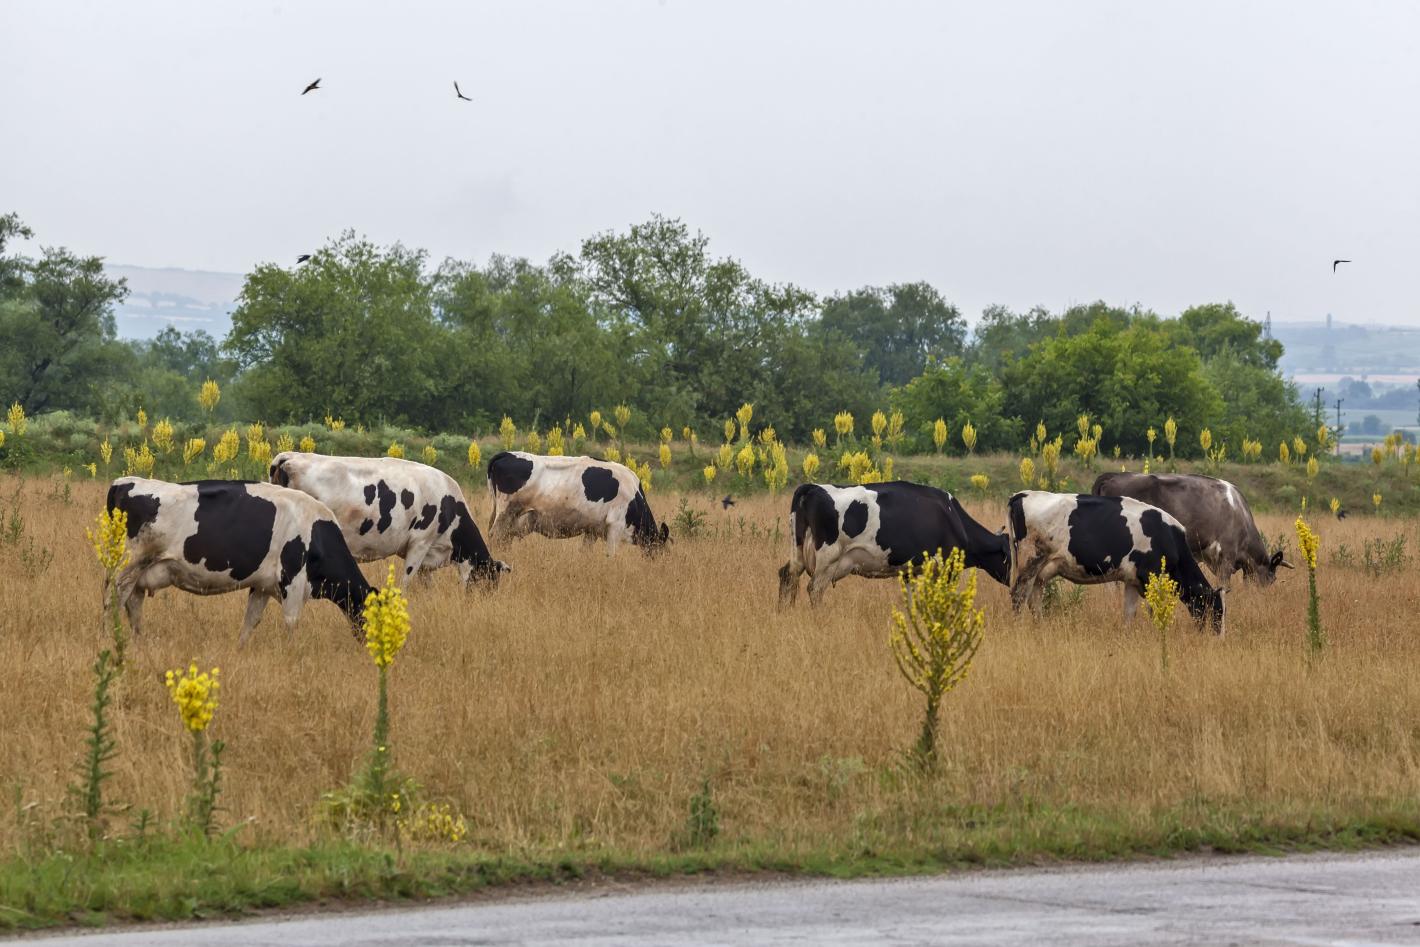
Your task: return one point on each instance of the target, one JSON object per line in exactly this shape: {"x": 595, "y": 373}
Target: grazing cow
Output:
{"x": 876, "y": 529}
{"x": 215, "y": 536}
{"x": 571, "y": 496}
{"x": 1221, "y": 532}
{"x": 392, "y": 507}
{"x": 1091, "y": 540}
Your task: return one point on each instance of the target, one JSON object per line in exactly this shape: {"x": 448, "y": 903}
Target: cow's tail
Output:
{"x": 493, "y": 504}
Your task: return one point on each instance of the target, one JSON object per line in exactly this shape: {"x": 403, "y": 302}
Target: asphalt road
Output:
{"x": 1371, "y": 898}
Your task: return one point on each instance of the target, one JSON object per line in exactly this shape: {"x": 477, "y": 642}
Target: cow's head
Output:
{"x": 997, "y": 561}
{"x": 277, "y": 473}
{"x": 1266, "y": 573}
{"x": 654, "y": 540}
{"x": 483, "y": 575}
{"x": 644, "y": 531}
{"x": 1206, "y": 606}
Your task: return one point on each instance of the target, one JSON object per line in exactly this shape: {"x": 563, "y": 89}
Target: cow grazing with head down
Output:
{"x": 571, "y": 496}
{"x": 1091, "y": 540}
{"x": 387, "y": 506}
{"x": 1221, "y": 531}
{"x": 215, "y": 536}
{"x": 875, "y": 530}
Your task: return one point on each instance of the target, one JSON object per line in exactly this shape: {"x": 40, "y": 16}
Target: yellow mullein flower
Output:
{"x": 1027, "y": 470}
{"x": 968, "y": 437}
{"x": 209, "y": 395}
{"x": 386, "y": 621}
{"x": 665, "y": 456}
{"x": 93, "y": 469}
{"x": 192, "y": 450}
{"x": 195, "y": 694}
{"x": 430, "y": 454}
{"x": 18, "y": 424}
{"x": 475, "y": 456}
{"x": 1376, "y": 501}
{"x": 142, "y": 419}
{"x": 284, "y": 443}
{"x": 939, "y": 434}
{"x": 820, "y": 438}
{"x": 709, "y": 472}
{"x": 163, "y": 436}
{"x": 1308, "y": 540}
{"x": 811, "y": 465}
{"x": 110, "y": 542}
{"x": 623, "y": 415}
{"x": 308, "y": 444}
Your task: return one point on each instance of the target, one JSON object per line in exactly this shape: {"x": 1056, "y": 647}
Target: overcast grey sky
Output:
{"x": 1018, "y": 153}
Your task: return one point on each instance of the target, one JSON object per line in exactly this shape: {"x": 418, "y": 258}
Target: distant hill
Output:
{"x": 187, "y": 299}
{"x": 1340, "y": 349}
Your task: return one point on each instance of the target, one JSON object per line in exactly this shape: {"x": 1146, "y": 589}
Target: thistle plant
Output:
{"x": 208, "y": 396}
{"x": 935, "y": 636}
{"x": 308, "y": 444}
{"x": 1161, "y": 595}
{"x": 939, "y": 434}
{"x": 195, "y": 694}
{"x": 1310, "y": 543}
{"x": 968, "y": 437}
{"x": 386, "y": 618}
{"x": 811, "y": 465}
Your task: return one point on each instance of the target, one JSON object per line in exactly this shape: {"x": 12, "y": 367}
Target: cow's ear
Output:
{"x": 1276, "y": 560}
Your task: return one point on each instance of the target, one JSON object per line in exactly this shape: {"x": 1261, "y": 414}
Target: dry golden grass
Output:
{"x": 580, "y": 706}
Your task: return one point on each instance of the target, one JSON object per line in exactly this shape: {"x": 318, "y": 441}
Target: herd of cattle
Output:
{"x": 302, "y": 535}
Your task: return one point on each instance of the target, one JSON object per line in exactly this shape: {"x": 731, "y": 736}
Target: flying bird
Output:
{"x": 1334, "y": 262}
{"x": 726, "y": 502}
{"x": 460, "y": 94}
{"x": 302, "y": 258}
{"x": 312, "y": 87}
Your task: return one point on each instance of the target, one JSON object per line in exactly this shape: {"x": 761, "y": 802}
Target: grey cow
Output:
{"x": 1221, "y": 532}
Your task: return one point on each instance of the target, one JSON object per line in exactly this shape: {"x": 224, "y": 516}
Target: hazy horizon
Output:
{"x": 1023, "y": 154}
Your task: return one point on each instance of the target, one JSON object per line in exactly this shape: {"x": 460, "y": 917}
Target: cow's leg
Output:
{"x": 291, "y": 611}
{"x": 256, "y": 604}
{"x": 414, "y": 557}
{"x": 616, "y": 534}
{"x": 1023, "y": 589}
{"x": 1131, "y": 603}
{"x": 789, "y": 574}
{"x": 133, "y": 606}
{"x": 818, "y": 584}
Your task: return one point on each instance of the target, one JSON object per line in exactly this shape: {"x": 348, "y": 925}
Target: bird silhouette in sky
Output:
{"x": 460, "y": 94}
{"x": 726, "y": 502}
{"x": 302, "y": 258}
{"x": 1334, "y": 262}
{"x": 311, "y": 88}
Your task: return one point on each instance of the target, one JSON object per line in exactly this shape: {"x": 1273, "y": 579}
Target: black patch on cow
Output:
{"x": 386, "y": 505}
{"x": 366, "y": 526}
{"x": 508, "y": 472}
{"x": 599, "y": 484}
{"x": 234, "y": 529}
{"x": 1016, "y": 516}
{"x": 293, "y": 557}
{"x": 915, "y": 521}
{"x": 406, "y": 498}
{"x": 369, "y": 493}
{"x": 448, "y": 509}
{"x": 425, "y": 518}
{"x": 141, "y": 509}
{"x": 1100, "y": 539}
{"x": 332, "y": 571}
{"x": 813, "y": 508}
{"x": 855, "y": 519}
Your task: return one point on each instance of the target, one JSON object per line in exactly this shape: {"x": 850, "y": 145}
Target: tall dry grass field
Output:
{"x": 580, "y": 706}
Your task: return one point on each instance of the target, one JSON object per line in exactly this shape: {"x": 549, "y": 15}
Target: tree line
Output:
{"x": 648, "y": 317}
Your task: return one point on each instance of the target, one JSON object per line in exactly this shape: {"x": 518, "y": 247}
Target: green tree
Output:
{"x": 352, "y": 333}
{"x": 897, "y": 328}
{"x": 1214, "y": 328}
{"x": 57, "y": 333}
{"x": 1002, "y": 336}
{"x": 958, "y": 393}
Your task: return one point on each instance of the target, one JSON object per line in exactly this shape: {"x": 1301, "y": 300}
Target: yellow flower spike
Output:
{"x": 710, "y": 472}
{"x": 16, "y": 417}
{"x": 111, "y": 541}
{"x": 1309, "y": 541}
{"x": 308, "y": 445}
{"x": 386, "y": 622}
{"x": 209, "y": 395}
{"x": 195, "y": 693}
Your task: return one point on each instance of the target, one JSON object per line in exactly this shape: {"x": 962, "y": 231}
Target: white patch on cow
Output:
{"x": 1214, "y": 549}
{"x": 1231, "y": 492}
{"x": 553, "y": 502}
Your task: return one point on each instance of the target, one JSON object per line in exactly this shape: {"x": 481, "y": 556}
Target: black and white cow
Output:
{"x": 1091, "y": 540}
{"x": 875, "y": 530}
{"x": 215, "y": 536}
{"x": 387, "y": 506}
{"x": 1221, "y": 531}
{"x": 570, "y": 496}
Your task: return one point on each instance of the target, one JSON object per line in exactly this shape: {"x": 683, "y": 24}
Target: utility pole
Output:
{"x": 1316, "y": 412}
{"x": 1339, "y": 431}
{"x": 1417, "y": 412}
